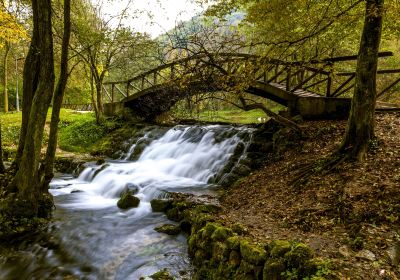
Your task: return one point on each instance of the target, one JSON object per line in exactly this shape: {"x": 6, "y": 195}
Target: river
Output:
{"x": 91, "y": 238}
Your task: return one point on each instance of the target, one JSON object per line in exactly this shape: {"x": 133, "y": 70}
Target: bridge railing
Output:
{"x": 317, "y": 76}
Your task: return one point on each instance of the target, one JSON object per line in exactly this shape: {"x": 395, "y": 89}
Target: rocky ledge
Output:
{"x": 226, "y": 252}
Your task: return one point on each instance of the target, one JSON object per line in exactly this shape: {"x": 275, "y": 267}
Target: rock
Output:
{"x": 298, "y": 255}
{"x": 239, "y": 229}
{"x": 279, "y": 248}
{"x": 168, "y": 229}
{"x": 273, "y": 269}
{"x": 161, "y": 275}
{"x": 134, "y": 189}
{"x": 100, "y": 161}
{"x": 76, "y": 191}
{"x": 221, "y": 234}
{"x": 127, "y": 201}
{"x": 394, "y": 254}
{"x": 366, "y": 255}
{"x": 252, "y": 253}
{"x": 344, "y": 251}
{"x": 160, "y": 205}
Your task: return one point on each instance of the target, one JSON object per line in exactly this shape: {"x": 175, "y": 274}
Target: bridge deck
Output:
{"x": 312, "y": 89}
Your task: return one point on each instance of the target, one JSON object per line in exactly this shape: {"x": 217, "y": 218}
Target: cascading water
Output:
{"x": 99, "y": 241}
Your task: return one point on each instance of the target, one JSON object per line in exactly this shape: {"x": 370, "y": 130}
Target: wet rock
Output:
{"x": 127, "y": 201}
{"x": 100, "y": 161}
{"x": 160, "y": 205}
{"x": 168, "y": 229}
{"x": 241, "y": 170}
{"x": 366, "y": 255}
{"x": 161, "y": 275}
{"x": 134, "y": 189}
{"x": 100, "y": 169}
{"x": 76, "y": 191}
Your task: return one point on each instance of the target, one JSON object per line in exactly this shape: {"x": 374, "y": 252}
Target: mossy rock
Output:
{"x": 209, "y": 230}
{"x": 239, "y": 229}
{"x": 298, "y": 255}
{"x": 273, "y": 269}
{"x": 127, "y": 201}
{"x": 233, "y": 243}
{"x": 160, "y": 205}
{"x": 221, "y": 234}
{"x": 252, "y": 253}
{"x": 162, "y": 275}
{"x": 220, "y": 252}
{"x": 192, "y": 244}
{"x": 174, "y": 215}
{"x": 208, "y": 208}
{"x": 245, "y": 270}
{"x": 168, "y": 229}
{"x": 199, "y": 257}
{"x": 279, "y": 248}
{"x": 315, "y": 266}
{"x": 224, "y": 271}
{"x": 234, "y": 258}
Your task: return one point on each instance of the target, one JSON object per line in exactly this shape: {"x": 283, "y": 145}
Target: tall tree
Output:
{"x": 27, "y": 199}
{"x": 361, "y": 123}
{"x": 47, "y": 168}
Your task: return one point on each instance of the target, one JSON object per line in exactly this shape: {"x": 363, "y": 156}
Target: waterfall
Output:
{"x": 185, "y": 157}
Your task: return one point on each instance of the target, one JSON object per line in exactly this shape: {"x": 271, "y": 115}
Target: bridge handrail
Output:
{"x": 246, "y": 55}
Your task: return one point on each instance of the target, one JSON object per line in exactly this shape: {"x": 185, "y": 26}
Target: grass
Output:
{"x": 78, "y": 132}
{"x": 234, "y": 116}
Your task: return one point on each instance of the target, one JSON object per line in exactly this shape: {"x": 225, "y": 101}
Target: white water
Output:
{"x": 185, "y": 157}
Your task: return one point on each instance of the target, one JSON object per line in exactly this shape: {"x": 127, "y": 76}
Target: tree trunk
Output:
{"x": 2, "y": 168}
{"x": 361, "y": 122}
{"x": 99, "y": 99}
{"x": 57, "y": 100}
{"x": 29, "y": 83}
{"x": 93, "y": 96}
{"x": 5, "y": 76}
{"x": 29, "y": 195}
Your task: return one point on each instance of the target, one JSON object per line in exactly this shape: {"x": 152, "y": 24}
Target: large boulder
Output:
{"x": 128, "y": 200}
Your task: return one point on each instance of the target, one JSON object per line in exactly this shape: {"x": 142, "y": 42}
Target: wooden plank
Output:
{"x": 388, "y": 88}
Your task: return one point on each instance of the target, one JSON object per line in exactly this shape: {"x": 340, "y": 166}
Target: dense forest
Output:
{"x": 262, "y": 133}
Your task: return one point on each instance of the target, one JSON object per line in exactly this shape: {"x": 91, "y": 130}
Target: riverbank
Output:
{"x": 349, "y": 216}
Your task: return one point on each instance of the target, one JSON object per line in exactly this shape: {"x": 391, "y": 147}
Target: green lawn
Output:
{"x": 77, "y": 133}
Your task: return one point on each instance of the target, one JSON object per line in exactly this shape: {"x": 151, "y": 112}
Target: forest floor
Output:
{"x": 350, "y": 216}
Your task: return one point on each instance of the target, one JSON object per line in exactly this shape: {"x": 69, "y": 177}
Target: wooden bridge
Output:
{"x": 314, "y": 89}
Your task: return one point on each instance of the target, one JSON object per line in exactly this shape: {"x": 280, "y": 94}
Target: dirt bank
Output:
{"x": 350, "y": 215}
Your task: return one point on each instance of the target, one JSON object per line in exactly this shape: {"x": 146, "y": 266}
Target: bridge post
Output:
{"x": 289, "y": 79}
{"x": 112, "y": 93}
{"x": 127, "y": 88}
{"x": 329, "y": 86}
{"x": 155, "y": 78}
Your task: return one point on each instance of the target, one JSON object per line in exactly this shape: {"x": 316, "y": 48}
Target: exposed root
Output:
{"x": 319, "y": 167}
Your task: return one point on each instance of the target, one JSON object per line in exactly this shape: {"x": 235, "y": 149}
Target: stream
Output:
{"x": 91, "y": 238}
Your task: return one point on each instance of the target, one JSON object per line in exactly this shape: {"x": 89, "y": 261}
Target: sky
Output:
{"x": 152, "y": 16}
